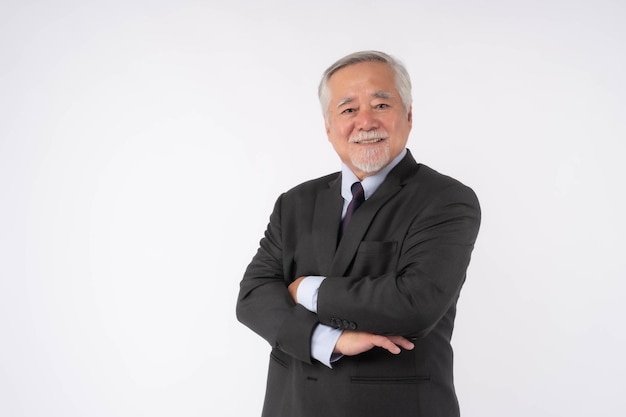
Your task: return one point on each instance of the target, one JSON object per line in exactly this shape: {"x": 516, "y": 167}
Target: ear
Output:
{"x": 410, "y": 116}
{"x": 327, "y": 127}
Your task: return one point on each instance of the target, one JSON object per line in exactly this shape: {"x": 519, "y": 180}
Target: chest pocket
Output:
{"x": 375, "y": 258}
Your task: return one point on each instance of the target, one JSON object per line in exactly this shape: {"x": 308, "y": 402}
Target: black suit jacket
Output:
{"x": 397, "y": 270}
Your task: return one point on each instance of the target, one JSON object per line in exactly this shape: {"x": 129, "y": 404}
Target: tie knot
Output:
{"x": 357, "y": 191}
{"x": 358, "y": 196}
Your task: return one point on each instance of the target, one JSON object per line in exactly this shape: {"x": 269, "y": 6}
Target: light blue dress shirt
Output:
{"x": 325, "y": 337}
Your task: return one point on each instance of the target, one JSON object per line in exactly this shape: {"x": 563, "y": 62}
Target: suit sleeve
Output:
{"x": 432, "y": 261}
{"x": 264, "y": 304}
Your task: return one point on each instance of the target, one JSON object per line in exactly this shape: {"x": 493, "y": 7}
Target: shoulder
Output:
{"x": 435, "y": 183}
{"x": 301, "y": 200}
{"x": 426, "y": 174}
{"x": 411, "y": 173}
{"x": 314, "y": 186}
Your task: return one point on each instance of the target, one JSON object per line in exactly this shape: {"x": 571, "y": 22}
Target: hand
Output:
{"x": 352, "y": 342}
{"x": 293, "y": 289}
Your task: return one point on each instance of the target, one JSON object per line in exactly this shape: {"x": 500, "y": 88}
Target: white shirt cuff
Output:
{"x": 308, "y": 290}
{"x": 323, "y": 343}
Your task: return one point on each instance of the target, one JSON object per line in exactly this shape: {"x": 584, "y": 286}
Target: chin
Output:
{"x": 370, "y": 160}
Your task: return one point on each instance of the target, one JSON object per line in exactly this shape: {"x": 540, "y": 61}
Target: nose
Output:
{"x": 366, "y": 120}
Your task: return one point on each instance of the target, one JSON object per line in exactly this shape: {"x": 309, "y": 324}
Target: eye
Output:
{"x": 382, "y": 106}
{"x": 348, "y": 110}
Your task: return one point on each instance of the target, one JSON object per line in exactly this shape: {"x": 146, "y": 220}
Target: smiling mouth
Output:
{"x": 368, "y": 141}
{"x": 369, "y": 137}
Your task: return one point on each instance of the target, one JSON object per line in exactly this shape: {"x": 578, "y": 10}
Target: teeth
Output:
{"x": 371, "y": 140}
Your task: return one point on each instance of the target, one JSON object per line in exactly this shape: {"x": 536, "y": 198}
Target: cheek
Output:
{"x": 401, "y": 127}
{"x": 340, "y": 129}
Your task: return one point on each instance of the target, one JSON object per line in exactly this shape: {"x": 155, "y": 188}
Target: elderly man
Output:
{"x": 356, "y": 280}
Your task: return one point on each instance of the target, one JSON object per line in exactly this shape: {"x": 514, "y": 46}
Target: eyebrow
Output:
{"x": 345, "y": 101}
{"x": 382, "y": 94}
{"x": 376, "y": 94}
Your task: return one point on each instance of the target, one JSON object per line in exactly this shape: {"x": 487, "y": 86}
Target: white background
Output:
{"x": 129, "y": 131}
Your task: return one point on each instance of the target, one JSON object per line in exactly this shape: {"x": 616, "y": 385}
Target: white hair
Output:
{"x": 402, "y": 79}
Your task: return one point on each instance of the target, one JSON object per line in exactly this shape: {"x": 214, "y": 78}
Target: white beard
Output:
{"x": 371, "y": 159}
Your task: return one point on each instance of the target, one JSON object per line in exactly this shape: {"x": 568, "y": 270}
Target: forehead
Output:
{"x": 364, "y": 77}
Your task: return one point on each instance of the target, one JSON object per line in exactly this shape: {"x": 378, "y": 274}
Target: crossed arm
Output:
{"x": 432, "y": 265}
{"x": 352, "y": 342}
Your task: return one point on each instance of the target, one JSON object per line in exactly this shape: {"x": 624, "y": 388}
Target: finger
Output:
{"x": 386, "y": 343}
{"x": 403, "y": 342}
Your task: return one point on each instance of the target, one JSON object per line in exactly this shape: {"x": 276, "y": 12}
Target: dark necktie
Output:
{"x": 358, "y": 197}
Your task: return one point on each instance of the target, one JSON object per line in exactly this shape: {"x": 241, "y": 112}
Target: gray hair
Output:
{"x": 402, "y": 79}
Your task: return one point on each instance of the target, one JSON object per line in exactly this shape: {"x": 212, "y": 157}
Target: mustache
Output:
{"x": 372, "y": 134}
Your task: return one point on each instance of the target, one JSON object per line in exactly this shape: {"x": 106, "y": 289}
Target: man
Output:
{"x": 360, "y": 315}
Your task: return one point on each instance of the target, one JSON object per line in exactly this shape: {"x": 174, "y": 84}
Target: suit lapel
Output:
{"x": 363, "y": 217}
{"x": 326, "y": 219}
